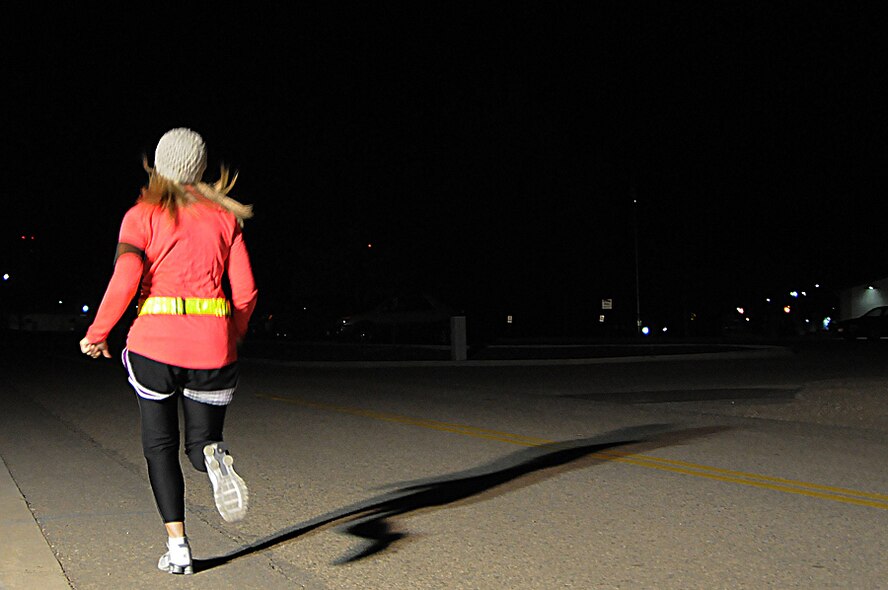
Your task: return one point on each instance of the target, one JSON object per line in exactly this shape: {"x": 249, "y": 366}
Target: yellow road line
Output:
{"x": 780, "y": 484}
{"x": 742, "y": 474}
{"x": 800, "y": 489}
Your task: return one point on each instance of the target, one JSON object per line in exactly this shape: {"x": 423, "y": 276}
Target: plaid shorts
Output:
{"x": 157, "y": 381}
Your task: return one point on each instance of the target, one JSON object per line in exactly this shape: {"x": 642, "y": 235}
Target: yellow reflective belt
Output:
{"x": 219, "y": 307}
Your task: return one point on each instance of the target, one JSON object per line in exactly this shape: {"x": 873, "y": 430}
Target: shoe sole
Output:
{"x": 229, "y": 490}
{"x": 178, "y": 569}
{"x": 172, "y": 568}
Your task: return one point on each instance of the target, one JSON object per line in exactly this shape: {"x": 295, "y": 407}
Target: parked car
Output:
{"x": 399, "y": 319}
{"x": 873, "y": 325}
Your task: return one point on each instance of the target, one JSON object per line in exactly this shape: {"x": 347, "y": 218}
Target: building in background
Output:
{"x": 859, "y": 299}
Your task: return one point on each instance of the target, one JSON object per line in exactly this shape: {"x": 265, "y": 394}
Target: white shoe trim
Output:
{"x": 229, "y": 490}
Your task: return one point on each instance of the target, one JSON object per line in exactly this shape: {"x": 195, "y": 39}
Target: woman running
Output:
{"x": 177, "y": 245}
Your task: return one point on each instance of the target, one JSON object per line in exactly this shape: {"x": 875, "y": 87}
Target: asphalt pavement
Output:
{"x": 695, "y": 465}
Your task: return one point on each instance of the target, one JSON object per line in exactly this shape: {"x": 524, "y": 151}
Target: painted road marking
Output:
{"x": 779, "y": 484}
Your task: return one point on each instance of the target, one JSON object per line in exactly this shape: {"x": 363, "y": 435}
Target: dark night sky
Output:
{"x": 489, "y": 155}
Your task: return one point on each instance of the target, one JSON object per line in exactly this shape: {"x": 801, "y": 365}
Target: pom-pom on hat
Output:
{"x": 181, "y": 156}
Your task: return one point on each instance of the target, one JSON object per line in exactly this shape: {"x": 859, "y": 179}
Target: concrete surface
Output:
{"x": 26, "y": 560}
{"x": 773, "y": 476}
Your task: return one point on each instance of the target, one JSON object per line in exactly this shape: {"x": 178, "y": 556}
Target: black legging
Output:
{"x": 160, "y": 443}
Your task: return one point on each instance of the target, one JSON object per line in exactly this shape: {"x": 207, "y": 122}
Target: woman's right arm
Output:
{"x": 124, "y": 283}
{"x": 120, "y": 292}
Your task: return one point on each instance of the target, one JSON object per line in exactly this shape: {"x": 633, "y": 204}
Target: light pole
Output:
{"x": 637, "y": 289}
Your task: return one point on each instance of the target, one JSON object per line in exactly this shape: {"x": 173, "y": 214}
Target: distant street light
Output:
{"x": 637, "y": 288}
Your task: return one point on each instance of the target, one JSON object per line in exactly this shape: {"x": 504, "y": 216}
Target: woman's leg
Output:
{"x": 206, "y": 395}
{"x": 207, "y": 452}
{"x": 203, "y": 425}
{"x": 154, "y": 383}
{"x": 160, "y": 444}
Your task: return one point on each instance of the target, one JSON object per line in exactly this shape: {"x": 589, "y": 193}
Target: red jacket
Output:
{"x": 185, "y": 258}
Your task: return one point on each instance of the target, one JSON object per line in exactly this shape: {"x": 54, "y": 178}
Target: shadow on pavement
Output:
{"x": 371, "y": 519}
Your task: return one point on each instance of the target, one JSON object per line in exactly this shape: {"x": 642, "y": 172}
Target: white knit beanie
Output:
{"x": 181, "y": 156}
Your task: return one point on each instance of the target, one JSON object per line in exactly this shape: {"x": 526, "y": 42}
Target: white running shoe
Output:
{"x": 177, "y": 559}
{"x": 229, "y": 490}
